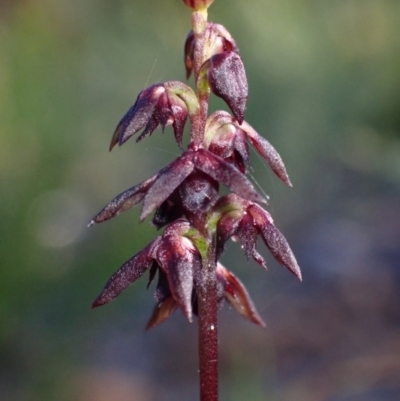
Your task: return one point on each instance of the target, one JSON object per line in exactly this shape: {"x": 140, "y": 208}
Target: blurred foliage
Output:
{"x": 324, "y": 89}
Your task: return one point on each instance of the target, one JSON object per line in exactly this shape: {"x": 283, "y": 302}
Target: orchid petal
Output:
{"x": 227, "y": 174}
{"x": 168, "y": 179}
{"x": 127, "y": 274}
{"x": 227, "y": 79}
{"x": 124, "y": 201}
{"x": 177, "y": 262}
{"x": 138, "y": 115}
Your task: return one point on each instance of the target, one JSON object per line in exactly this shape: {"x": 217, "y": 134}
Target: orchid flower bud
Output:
{"x": 198, "y": 5}
{"x": 216, "y": 40}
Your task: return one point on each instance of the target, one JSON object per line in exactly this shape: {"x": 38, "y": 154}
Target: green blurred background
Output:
{"x": 324, "y": 81}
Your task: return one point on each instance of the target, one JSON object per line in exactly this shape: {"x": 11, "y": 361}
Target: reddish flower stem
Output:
{"x": 208, "y": 333}
{"x": 207, "y": 291}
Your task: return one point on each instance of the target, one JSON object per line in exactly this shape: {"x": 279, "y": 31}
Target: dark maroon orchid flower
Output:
{"x": 195, "y": 172}
{"x": 174, "y": 255}
{"x": 168, "y": 103}
{"x": 247, "y": 221}
{"x": 227, "y": 138}
{"x": 184, "y": 196}
{"x": 229, "y": 288}
{"x": 177, "y": 261}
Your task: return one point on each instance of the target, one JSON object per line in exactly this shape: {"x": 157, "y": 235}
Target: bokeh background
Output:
{"x": 324, "y": 82}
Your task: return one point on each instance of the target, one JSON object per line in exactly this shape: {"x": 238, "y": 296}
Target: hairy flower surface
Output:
{"x": 225, "y": 76}
{"x": 168, "y": 103}
{"x": 236, "y": 294}
{"x": 174, "y": 254}
{"x": 227, "y": 138}
{"x": 227, "y": 79}
{"x": 247, "y": 221}
{"x": 156, "y": 190}
{"x": 184, "y": 195}
{"x": 177, "y": 261}
{"x": 229, "y": 288}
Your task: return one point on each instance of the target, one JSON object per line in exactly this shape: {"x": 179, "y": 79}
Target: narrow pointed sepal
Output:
{"x": 168, "y": 179}
{"x": 268, "y": 152}
{"x": 128, "y": 273}
{"x": 124, "y": 201}
{"x": 280, "y": 248}
{"x": 227, "y": 174}
{"x": 172, "y": 176}
{"x": 225, "y": 137}
{"x": 275, "y": 240}
{"x": 236, "y": 294}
